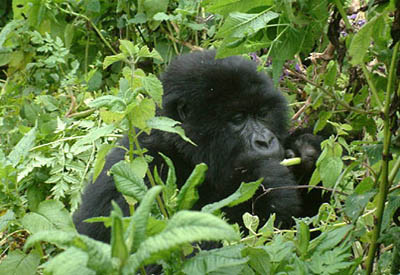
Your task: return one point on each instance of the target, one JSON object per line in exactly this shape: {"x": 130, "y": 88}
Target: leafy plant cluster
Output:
{"x": 75, "y": 75}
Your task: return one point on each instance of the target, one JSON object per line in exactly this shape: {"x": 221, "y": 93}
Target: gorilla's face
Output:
{"x": 231, "y": 111}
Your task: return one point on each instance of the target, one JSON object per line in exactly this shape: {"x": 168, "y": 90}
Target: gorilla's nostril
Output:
{"x": 262, "y": 143}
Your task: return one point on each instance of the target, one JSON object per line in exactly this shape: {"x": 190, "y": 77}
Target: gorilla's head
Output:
{"x": 228, "y": 108}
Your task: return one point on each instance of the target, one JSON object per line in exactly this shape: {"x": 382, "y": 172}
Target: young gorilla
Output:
{"x": 239, "y": 123}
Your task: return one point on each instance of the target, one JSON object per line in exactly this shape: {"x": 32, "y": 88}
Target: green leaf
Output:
{"x": 188, "y": 194}
{"x": 136, "y": 232}
{"x": 119, "y": 249}
{"x": 5, "y": 219}
{"x": 251, "y": 222}
{"x": 242, "y": 194}
{"x": 50, "y": 215}
{"x": 303, "y": 238}
{"x": 107, "y": 100}
{"x": 330, "y": 75}
{"x": 101, "y": 160}
{"x": 21, "y": 150}
{"x": 98, "y": 252}
{"x": 127, "y": 48}
{"x": 167, "y": 124}
{"x": 127, "y": 182}
{"x": 19, "y": 263}
{"x": 224, "y": 7}
{"x": 329, "y": 170}
{"x": 93, "y": 135}
{"x": 243, "y": 24}
{"x": 259, "y": 259}
{"x": 153, "y": 87}
{"x": 145, "y": 52}
{"x": 361, "y": 41}
{"x": 330, "y": 239}
{"x": 226, "y": 260}
{"x": 323, "y": 117}
{"x": 71, "y": 261}
{"x": 355, "y": 204}
{"x": 183, "y": 227}
{"x": 110, "y": 117}
{"x": 142, "y": 112}
{"x": 111, "y": 59}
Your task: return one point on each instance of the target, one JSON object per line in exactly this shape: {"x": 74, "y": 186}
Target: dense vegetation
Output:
{"x": 75, "y": 75}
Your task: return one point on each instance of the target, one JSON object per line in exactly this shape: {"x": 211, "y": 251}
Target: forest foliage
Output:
{"x": 75, "y": 75}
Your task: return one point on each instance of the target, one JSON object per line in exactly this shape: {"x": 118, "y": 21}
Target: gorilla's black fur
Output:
{"x": 239, "y": 123}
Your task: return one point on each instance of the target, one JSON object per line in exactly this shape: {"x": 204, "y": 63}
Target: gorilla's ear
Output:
{"x": 182, "y": 109}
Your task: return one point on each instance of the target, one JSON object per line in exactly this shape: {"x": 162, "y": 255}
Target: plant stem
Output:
{"x": 384, "y": 175}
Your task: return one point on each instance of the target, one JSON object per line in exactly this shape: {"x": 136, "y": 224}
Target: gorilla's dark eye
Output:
{"x": 238, "y": 118}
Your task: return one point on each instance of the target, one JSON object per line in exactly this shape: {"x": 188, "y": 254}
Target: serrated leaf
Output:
{"x": 101, "y": 160}
{"x": 142, "y": 112}
{"x": 19, "y": 263}
{"x": 128, "y": 48}
{"x": 183, "y": 227}
{"x": 23, "y": 146}
{"x": 224, "y": 7}
{"x": 153, "y": 87}
{"x": 145, "y": 52}
{"x": 70, "y": 261}
{"x": 127, "y": 182}
{"x": 50, "y": 215}
{"x": 242, "y": 194}
{"x": 188, "y": 194}
{"x": 329, "y": 170}
{"x": 111, "y": 59}
{"x": 168, "y": 125}
{"x": 106, "y": 101}
{"x": 226, "y": 260}
{"x": 244, "y": 24}
{"x": 98, "y": 252}
{"x": 361, "y": 42}
{"x": 136, "y": 232}
{"x": 251, "y": 222}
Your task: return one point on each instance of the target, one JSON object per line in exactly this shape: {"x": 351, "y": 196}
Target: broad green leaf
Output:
{"x": 99, "y": 253}
{"x": 330, "y": 239}
{"x": 23, "y": 146}
{"x": 100, "y": 160}
{"x": 329, "y": 170}
{"x": 128, "y": 48}
{"x": 330, "y": 75}
{"x": 226, "y": 260}
{"x": 242, "y": 194}
{"x": 111, "y": 117}
{"x": 251, "y": 222}
{"x": 152, "y": 7}
{"x": 153, "y": 87}
{"x": 356, "y": 203}
{"x": 50, "y": 215}
{"x": 118, "y": 247}
{"x": 142, "y": 112}
{"x": 93, "y": 135}
{"x": 145, "y": 52}
{"x": 188, "y": 194}
{"x": 5, "y": 219}
{"x": 224, "y": 7}
{"x": 259, "y": 259}
{"x": 111, "y": 59}
{"x": 303, "y": 238}
{"x": 127, "y": 182}
{"x": 361, "y": 41}
{"x": 19, "y": 263}
{"x": 71, "y": 261}
{"x": 184, "y": 227}
{"x": 107, "y": 100}
{"x": 243, "y": 24}
{"x": 168, "y": 125}
{"x": 136, "y": 232}
{"x": 323, "y": 117}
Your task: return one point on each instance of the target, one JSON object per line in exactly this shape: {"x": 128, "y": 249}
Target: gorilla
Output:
{"x": 239, "y": 123}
